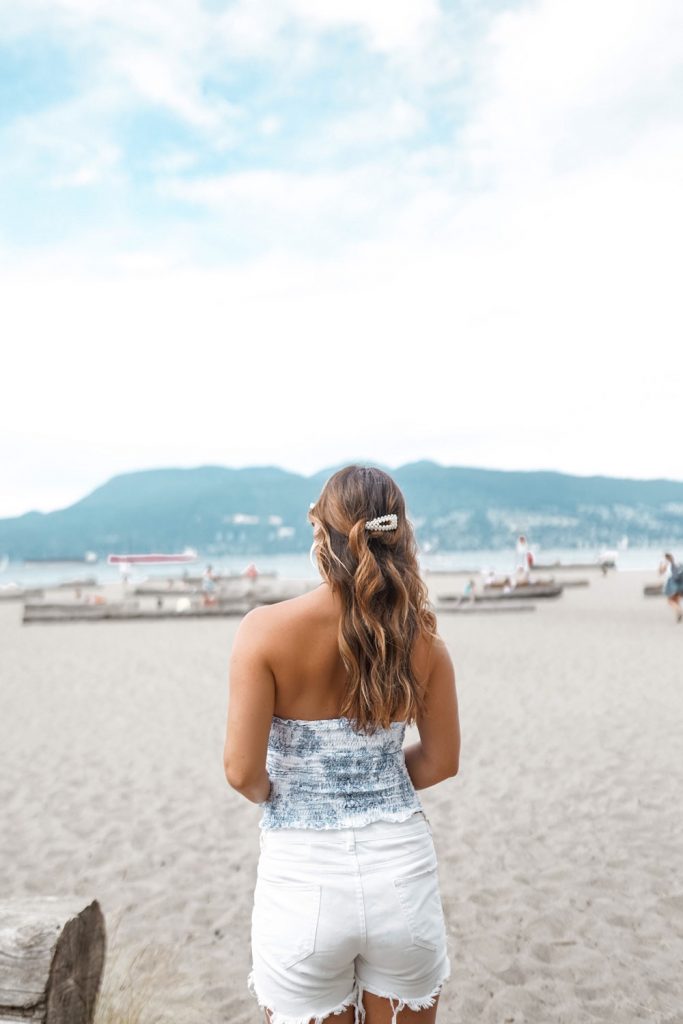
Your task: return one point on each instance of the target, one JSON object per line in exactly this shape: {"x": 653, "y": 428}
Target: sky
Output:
{"x": 301, "y": 233}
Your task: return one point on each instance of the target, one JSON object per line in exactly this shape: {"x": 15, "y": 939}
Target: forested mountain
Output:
{"x": 263, "y": 509}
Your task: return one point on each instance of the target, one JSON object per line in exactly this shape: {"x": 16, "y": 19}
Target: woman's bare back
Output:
{"x": 301, "y": 636}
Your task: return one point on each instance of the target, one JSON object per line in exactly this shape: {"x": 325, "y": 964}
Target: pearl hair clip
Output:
{"x": 388, "y": 522}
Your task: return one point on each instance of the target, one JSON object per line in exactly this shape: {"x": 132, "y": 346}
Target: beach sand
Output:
{"x": 560, "y": 842}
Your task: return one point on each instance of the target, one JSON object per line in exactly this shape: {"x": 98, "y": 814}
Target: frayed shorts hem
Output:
{"x": 354, "y": 999}
{"x": 411, "y": 1003}
{"x": 276, "y": 1017}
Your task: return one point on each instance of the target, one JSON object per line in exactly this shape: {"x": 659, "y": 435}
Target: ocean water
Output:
{"x": 298, "y": 565}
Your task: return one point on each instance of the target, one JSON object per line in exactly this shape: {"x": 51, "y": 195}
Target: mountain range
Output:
{"x": 260, "y": 509}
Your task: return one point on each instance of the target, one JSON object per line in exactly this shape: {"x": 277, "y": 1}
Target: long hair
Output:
{"x": 385, "y": 604}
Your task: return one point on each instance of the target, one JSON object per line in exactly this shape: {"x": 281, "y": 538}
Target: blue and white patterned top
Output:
{"x": 324, "y": 775}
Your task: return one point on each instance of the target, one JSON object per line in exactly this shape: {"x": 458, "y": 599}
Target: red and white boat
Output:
{"x": 188, "y": 555}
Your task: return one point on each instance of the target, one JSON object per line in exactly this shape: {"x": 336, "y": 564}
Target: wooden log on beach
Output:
{"x": 154, "y": 590}
{"x": 116, "y": 612}
{"x": 80, "y": 609}
{"x": 503, "y": 581}
{"x": 230, "y": 577}
{"x": 521, "y": 592}
{"x": 51, "y": 960}
{"x": 237, "y": 587}
{"x": 608, "y": 563}
{"x": 653, "y": 589}
{"x": 524, "y": 593}
{"x": 20, "y": 593}
{"x": 451, "y": 572}
{"x": 475, "y": 608}
{"x": 237, "y": 604}
{"x": 188, "y": 584}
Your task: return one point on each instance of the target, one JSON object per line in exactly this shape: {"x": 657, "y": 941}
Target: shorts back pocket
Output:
{"x": 285, "y": 920}
{"x": 420, "y": 901}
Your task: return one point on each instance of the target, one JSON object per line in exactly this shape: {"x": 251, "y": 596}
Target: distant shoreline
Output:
{"x": 298, "y": 565}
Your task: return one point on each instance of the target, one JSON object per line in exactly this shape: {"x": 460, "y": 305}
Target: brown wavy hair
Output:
{"x": 385, "y": 605}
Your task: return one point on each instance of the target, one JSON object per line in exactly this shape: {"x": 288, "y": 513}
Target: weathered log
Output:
{"x": 503, "y": 581}
{"x": 35, "y": 613}
{"x": 517, "y": 593}
{"x": 51, "y": 960}
{"x": 603, "y": 564}
{"x": 221, "y": 605}
{"x": 490, "y": 608}
{"x": 191, "y": 584}
{"x": 20, "y": 593}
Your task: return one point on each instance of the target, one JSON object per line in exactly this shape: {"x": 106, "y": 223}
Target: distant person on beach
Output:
{"x": 524, "y": 560}
{"x": 673, "y": 583}
{"x": 347, "y": 922}
{"x": 208, "y": 586}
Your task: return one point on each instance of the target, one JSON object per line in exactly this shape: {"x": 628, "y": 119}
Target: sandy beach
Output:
{"x": 560, "y": 841}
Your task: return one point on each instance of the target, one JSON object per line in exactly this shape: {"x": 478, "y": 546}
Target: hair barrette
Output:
{"x": 388, "y": 522}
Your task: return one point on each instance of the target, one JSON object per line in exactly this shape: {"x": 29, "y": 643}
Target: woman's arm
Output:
{"x": 251, "y": 704}
{"x": 437, "y": 756}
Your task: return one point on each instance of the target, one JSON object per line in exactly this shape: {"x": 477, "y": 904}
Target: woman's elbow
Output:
{"x": 236, "y": 775}
{"x": 449, "y": 765}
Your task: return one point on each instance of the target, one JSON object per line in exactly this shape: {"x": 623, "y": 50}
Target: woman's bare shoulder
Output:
{"x": 428, "y": 652}
{"x": 268, "y": 621}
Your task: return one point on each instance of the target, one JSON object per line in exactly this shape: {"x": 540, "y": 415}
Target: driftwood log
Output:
{"x": 523, "y": 593}
{"x": 467, "y": 607}
{"x": 119, "y": 612}
{"x": 20, "y": 593}
{"x": 51, "y": 960}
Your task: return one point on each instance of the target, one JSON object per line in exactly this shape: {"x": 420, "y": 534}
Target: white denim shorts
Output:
{"x": 342, "y": 911}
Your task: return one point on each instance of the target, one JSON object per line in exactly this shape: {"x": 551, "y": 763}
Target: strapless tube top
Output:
{"x": 325, "y": 775}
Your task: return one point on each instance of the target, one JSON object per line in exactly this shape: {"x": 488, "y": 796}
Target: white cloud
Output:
{"x": 374, "y": 126}
{"x": 388, "y": 24}
{"x": 386, "y": 27}
{"x": 131, "y": 55}
{"x": 137, "y": 52}
{"x": 270, "y": 125}
{"x": 267, "y": 190}
{"x": 299, "y": 211}
{"x": 559, "y": 84}
{"x": 173, "y": 161}
{"x": 173, "y": 84}
{"x": 101, "y": 164}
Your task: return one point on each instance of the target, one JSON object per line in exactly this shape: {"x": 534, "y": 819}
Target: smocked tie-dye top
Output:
{"x": 324, "y": 774}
